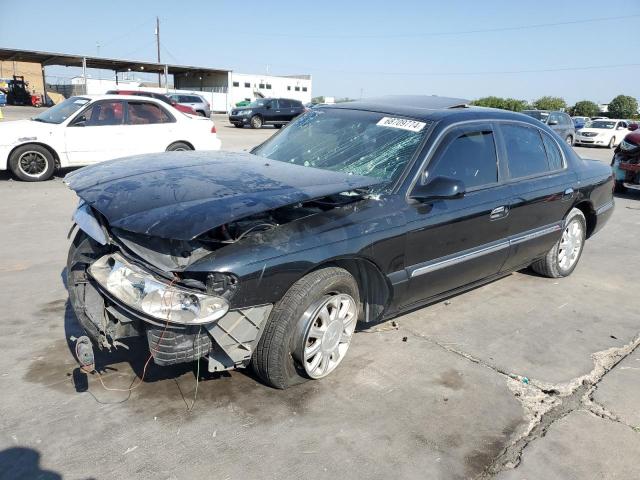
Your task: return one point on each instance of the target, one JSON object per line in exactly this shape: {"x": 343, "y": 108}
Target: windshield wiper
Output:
{"x": 36, "y": 119}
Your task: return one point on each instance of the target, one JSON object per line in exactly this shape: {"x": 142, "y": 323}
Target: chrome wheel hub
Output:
{"x": 570, "y": 245}
{"x": 329, "y": 332}
{"x": 32, "y": 164}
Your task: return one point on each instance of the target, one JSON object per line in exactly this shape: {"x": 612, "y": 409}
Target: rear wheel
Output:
{"x": 256, "y": 121}
{"x": 32, "y": 163}
{"x": 238, "y": 125}
{"x": 563, "y": 257}
{"x": 178, "y": 147}
{"x": 309, "y": 330}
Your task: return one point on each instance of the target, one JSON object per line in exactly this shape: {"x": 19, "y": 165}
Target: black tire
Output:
{"x": 612, "y": 142}
{"x": 273, "y": 359}
{"x": 278, "y": 126}
{"x": 256, "y": 122}
{"x": 619, "y": 187}
{"x": 549, "y": 265}
{"x": 238, "y": 125}
{"x": 200, "y": 113}
{"x": 569, "y": 140}
{"x": 178, "y": 147}
{"x": 32, "y": 163}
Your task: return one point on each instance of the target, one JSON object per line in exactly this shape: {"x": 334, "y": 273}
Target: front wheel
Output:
{"x": 563, "y": 257}
{"x": 569, "y": 140}
{"x": 309, "y": 330}
{"x": 32, "y": 163}
{"x": 256, "y": 121}
{"x": 612, "y": 142}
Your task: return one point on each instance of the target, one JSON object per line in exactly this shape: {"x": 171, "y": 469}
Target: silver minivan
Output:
{"x": 199, "y": 104}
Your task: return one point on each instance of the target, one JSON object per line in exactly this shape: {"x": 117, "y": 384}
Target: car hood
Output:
{"x": 19, "y": 131}
{"x": 181, "y": 195}
{"x": 596, "y": 130}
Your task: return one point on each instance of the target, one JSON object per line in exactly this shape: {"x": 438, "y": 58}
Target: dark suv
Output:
{"x": 559, "y": 122}
{"x": 266, "y": 111}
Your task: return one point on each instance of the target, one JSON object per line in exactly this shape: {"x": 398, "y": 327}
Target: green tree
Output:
{"x": 503, "y": 103}
{"x": 623, "y": 106}
{"x": 550, "y": 103}
{"x": 585, "y": 108}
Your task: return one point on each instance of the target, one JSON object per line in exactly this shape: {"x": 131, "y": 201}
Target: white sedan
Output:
{"x": 89, "y": 129}
{"x": 604, "y": 133}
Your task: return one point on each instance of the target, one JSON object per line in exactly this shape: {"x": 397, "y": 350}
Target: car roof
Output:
{"x": 114, "y": 96}
{"x": 430, "y": 108}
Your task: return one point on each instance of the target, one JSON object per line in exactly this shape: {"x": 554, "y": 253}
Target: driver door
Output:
{"x": 458, "y": 241}
{"x": 95, "y": 134}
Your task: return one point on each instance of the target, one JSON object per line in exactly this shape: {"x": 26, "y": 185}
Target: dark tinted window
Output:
{"x": 525, "y": 151}
{"x": 104, "y": 113}
{"x": 296, "y": 104}
{"x": 469, "y": 155}
{"x": 284, "y": 103}
{"x": 143, "y": 113}
{"x": 553, "y": 152}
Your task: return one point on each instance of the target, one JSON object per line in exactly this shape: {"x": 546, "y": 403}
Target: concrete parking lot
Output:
{"x": 523, "y": 378}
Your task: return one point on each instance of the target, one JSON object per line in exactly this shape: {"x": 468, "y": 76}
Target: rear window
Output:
{"x": 525, "y": 151}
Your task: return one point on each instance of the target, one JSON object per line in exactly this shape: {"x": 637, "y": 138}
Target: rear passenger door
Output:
{"x": 455, "y": 242}
{"x": 543, "y": 190}
{"x": 149, "y": 128}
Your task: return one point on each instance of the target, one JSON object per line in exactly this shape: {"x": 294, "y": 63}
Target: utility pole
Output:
{"x": 158, "y": 46}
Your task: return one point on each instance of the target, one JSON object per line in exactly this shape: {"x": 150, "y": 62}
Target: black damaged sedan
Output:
{"x": 353, "y": 213}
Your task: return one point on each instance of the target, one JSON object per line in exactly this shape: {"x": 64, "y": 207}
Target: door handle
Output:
{"x": 499, "y": 212}
{"x": 568, "y": 193}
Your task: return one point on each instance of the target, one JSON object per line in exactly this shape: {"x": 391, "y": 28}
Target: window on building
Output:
{"x": 304, "y": 89}
{"x": 247, "y": 85}
{"x": 297, "y": 89}
{"x": 289, "y": 87}
{"x": 268, "y": 86}
{"x": 261, "y": 85}
{"x": 236, "y": 84}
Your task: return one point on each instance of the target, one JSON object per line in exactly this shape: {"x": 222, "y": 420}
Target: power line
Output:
{"x": 454, "y": 32}
{"x": 445, "y": 74}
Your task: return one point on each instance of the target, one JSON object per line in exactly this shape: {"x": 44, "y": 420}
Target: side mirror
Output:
{"x": 553, "y": 122}
{"x": 438, "y": 188}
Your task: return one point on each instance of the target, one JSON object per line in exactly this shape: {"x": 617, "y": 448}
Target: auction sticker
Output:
{"x": 401, "y": 123}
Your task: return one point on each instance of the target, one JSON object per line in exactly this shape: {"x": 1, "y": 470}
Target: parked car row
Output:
{"x": 89, "y": 129}
{"x": 559, "y": 122}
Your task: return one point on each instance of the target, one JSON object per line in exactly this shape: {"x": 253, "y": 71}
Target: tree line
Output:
{"x": 622, "y": 106}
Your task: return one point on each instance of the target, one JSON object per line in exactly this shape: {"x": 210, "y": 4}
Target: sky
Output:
{"x": 457, "y": 48}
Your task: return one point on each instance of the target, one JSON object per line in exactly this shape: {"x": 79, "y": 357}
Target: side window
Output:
{"x": 567, "y": 120}
{"x": 525, "y": 151}
{"x": 553, "y": 153}
{"x": 469, "y": 155}
{"x": 143, "y": 113}
{"x": 104, "y": 113}
{"x": 285, "y": 103}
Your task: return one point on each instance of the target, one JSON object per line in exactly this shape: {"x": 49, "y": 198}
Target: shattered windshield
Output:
{"x": 351, "y": 141}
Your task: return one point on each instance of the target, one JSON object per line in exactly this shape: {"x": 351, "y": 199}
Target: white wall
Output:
{"x": 283, "y": 87}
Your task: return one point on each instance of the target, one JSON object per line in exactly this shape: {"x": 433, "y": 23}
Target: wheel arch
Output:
{"x": 374, "y": 287}
{"x": 52, "y": 151}
{"x": 586, "y": 207}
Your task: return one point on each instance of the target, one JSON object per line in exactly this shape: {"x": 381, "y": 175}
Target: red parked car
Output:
{"x": 626, "y": 161}
{"x": 157, "y": 96}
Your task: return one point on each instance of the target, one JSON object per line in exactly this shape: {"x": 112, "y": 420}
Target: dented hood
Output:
{"x": 181, "y": 195}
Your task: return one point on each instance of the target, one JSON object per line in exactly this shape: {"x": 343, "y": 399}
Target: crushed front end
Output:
{"x": 626, "y": 164}
{"x": 117, "y": 295}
